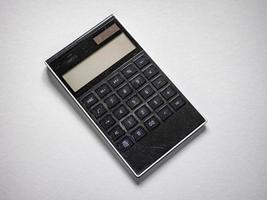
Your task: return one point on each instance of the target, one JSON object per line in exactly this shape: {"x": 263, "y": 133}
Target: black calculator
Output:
{"x": 124, "y": 93}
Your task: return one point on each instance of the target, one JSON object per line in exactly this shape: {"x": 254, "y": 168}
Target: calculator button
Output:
{"x": 120, "y": 112}
{"x": 107, "y": 122}
{"x": 89, "y": 100}
{"x": 133, "y": 102}
{"x": 159, "y": 82}
{"x": 151, "y": 123}
{"x": 129, "y": 122}
{"x": 103, "y": 90}
{"x": 165, "y": 113}
{"x": 177, "y": 103}
{"x": 141, "y": 62}
{"x": 142, "y": 112}
{"x": 155, "y": 102}
{"x": 125, "y": 91}
{"x": 138, "y": 133}
{"x": 116, "y": 81}
{"x": 138, "y": 81}
{"x": 151, "y": 72}
{"x": 116, "y": 132}
{"x": 146, "y": 92}
{"x": 129, "y": 71}
{"x": 99, "y": 110}
{"x": 112, "y": 101}
{"x": 168, "y": 92}
{"x": 124, "y": 144}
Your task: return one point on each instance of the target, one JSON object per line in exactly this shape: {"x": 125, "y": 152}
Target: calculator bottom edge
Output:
{"x": 138, "y": 175}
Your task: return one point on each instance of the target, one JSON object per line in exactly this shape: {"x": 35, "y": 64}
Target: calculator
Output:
{"x": 138, "y": 110}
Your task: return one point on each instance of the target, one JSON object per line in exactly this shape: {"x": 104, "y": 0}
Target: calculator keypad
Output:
{"x": 132, "y": 102}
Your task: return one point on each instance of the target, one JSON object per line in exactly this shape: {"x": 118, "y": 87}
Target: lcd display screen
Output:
{"x": 98, "y": 62}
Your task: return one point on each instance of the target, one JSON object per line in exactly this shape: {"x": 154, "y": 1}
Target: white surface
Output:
{"x": 215, "y": 51}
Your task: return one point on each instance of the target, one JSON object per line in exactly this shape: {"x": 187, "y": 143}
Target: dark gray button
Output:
{"x": 107, "y": 122}
{"x": 142, "y": 112}
{"x": 129, "y": 122}
{"x": 99, "y": 110}
{"x": 177, "y": 103}
{"x": 138, "y": 133}
{"x": 89, "y": 100}
{"x": 165, "y": 113}
{"x": 151, "y": 123}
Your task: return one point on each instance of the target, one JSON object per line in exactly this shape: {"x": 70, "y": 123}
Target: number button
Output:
{"x": 133, "y": 102}
{"x": 165, "y": 113}
{"x": 151, "y": 72}
{"x": 155, "y": 102}
{"x": 138, "y": 81}
{"x": 168, "y": 92}
{"x": 89, "y": 100}
{"x": 146, "y": 92}
{"x": 120, "y": 112}
{"x": 116, "y": 81}
{"x": 107, "y": 122}
{"x": 99, "y": 110}
{"x": 141, "y": 62}
{"x": 124, "y": 144}
{"x": 129, "y": 122}
{"x": 103, "y": 90}
{"x": 159, "y": 82}
{"x": 112, "y": 101}
{"x": 125, "y": 91}
{"x": 116, "y": 132}
{"x": 177, "y": 103}
{"x": 142, "y": 112}
{"x": 129, "y": 70}
{"x": 151, "y": 123}
{"x": 138, "y": 133}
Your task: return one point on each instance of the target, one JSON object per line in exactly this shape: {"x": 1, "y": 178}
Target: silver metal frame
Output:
{"x": 82, "y": 109}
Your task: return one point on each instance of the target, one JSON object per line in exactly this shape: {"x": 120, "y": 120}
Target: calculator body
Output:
{"x": 122, "y": 91}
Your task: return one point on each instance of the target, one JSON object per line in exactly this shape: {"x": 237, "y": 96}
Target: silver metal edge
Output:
{"x": 136, "y": 175}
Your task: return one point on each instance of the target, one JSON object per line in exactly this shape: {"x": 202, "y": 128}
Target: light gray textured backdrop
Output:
{"x": 216, "y": 53}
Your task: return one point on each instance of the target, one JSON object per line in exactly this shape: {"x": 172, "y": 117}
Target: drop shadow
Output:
{"x": 137, "y": 180}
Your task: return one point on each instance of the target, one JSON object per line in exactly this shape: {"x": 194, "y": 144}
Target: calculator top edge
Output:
{"x": 76, "y": 41}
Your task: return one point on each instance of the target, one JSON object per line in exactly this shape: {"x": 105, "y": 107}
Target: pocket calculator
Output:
{"x": 123, "y": 92}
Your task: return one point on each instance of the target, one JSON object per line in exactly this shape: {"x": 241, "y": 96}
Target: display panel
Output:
{"x": 98, "y": 62}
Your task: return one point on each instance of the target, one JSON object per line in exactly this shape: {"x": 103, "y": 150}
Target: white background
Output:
{"x": 216, "y": 53}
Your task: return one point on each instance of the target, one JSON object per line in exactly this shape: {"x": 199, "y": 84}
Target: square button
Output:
{"x": 112, "y": 101}
{"x": 99, "y": 110}
{"x": 151, "y": 71}
{"x": 116, "y": 132}
{"x": 159, "y": 82}
{"x": 142, "y": 112}
{"x": 169, "y": 92}
{"x": 129, "y": 70}
{"x": 129, "y": 122}
{"x": 120, "y": 112}
{"x": 116, "y": 80}
{"x": 138, "y": 81}
{"x": 138, "y": 133}
{"x": 89, "y": 100}
{"x": 155, "y": 102}
{"x": 151, "y": 123}
{"x": 124, "y": 91}
{"x": 146, "y": 92}
{"x": 124, "y": 144}
{"x": 165, "y": 113}
{"x": 133, "y": 102}
{"x": 177, "y": 103}
{"x": 142, "y": 62}
{"x": 103, "y": 90}
{"x": 107, "y": 122}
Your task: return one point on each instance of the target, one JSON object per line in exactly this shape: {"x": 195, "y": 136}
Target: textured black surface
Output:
{"x": 163, "y": 138}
